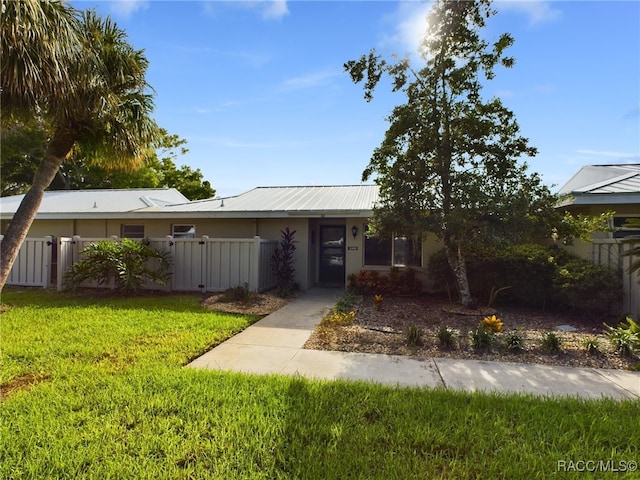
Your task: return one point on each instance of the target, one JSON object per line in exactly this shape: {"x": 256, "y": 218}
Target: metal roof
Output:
{"x": 310, "y": 201}
{"x": 97, "y": 201}
{"x": 608, "y": 184}
{"x": 307, "y": 200}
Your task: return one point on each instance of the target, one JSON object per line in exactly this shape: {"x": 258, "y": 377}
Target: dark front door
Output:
{"x": 332, "y": 245}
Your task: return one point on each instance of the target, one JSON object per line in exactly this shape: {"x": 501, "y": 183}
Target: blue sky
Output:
{"x": 259, "y": 91}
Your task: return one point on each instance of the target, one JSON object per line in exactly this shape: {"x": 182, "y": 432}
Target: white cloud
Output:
{"x": 311, "y": 80}
{"x": 630, "y": 157}
{"x": 538, "y": 11}
{"x": 255, "y": 60}
{"x": 268, "y": 9}
{"x": 275, "y": 9}
{"x": 126, "y": 8}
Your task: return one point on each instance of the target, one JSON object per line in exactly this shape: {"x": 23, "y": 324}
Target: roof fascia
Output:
{"x": 604, "y": 199}
{"x": 157, "y": 215}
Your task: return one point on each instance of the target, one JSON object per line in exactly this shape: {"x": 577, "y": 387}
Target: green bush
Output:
{"x": 344, "y": 303}
{"x": 552, "y": 343}
{"x": 397, "y": 282}
{"x": 447, "y": 338}
{"x": 582, "y": 285}
{"x": 482, "y": 339}
{"x": 536, "y": 276}
{"x": 413, "y": 336}
{"x": 239, "y": 293}
{"x": 625, "y": 337}
{"x": 514, "y": 341}
{"x": 125, "y": 264}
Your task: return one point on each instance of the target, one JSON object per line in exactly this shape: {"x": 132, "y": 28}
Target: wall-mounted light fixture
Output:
{"x": 354, "y": 231}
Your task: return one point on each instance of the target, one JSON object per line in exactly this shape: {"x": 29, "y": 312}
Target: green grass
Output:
{"x": 109, "y": 399}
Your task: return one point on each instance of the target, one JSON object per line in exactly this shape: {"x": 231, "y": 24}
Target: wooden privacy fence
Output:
{"x": 203, "y": 264}
{"x": 609, "y": 253}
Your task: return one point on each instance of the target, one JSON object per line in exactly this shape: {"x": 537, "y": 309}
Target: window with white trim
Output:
{"x": 183, "y": 231}
{"x": 132, "y": 231}
{"x": 398, "y": 252}
{"x": 626, "y": 227}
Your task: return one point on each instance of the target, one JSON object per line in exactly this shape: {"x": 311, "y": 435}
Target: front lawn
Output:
{"x": 94, "y": 388}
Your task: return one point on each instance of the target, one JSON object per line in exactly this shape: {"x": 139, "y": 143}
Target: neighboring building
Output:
{"x": 598, "y": 188}
{"x": 330, "y": 222}
{"x": 594, "y": 190}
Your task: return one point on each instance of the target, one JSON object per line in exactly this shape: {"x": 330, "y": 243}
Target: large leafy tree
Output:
{"x": 23, "y": 148}
{"x": 450, "y": 160}
{"x": 80, "y": 75}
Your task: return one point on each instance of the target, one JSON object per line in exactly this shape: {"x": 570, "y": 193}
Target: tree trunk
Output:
{"x": 58, "y": 148}
{"x": 459, "y": 267}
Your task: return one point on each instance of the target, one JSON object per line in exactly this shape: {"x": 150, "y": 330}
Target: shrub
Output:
{"x": 582, "y": 285}
{"x": 335, "y": 318}
{"x": 481, "y": 339}
{"x": 125, "y": 264}
{"x": 535, "y": 276}
{"x": 447, "y": 337}
{"x": 413, "y": 335}
{"x": 377, "y": 301}
{"x": 514, "y": 341}
{"x": 344, "y": 303}
{"x": 552, "y": 343}
{"x": 592, "y": 345}
{"x": 282, "y": 263}
{"x": 492, "y": 324}
{"x": 625, "y": 337}
{"x": 397, "y": 282}
{"x": 240, "y": 293}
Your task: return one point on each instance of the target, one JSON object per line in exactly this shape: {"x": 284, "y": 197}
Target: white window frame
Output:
{"x": 190, "y": 233}
{"x": 621, "y": 231}
{"x": 392, "y": 262}
{"x": 134, "y": 227}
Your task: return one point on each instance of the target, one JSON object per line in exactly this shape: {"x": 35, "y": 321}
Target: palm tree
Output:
{"x": 40, "y": 39}
{"x": 101, "y": 103}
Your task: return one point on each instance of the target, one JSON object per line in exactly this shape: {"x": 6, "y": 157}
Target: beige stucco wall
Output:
{"x": 269, "y": 228}
{"x": 583, "y": 249}
{"x": 56, "y": 228}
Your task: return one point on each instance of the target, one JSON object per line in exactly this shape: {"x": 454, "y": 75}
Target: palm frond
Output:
{"x": 39, "y": 42}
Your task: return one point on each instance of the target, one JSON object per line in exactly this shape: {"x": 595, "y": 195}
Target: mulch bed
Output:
{"x": 384, "y": 330}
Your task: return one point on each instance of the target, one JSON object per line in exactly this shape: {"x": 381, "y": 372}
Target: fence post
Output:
{"x": 75, "y": 255}
{"x": 204, "y": 272}
{"x": 254, "y": 267}
{"x": 46, "y": 261}
{"x": 168, "y": 247}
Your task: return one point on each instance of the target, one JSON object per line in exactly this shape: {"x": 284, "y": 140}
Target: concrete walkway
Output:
{"x": 274, "y": 345}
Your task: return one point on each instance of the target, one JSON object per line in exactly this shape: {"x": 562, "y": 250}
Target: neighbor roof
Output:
{"x": 603, "y": 184}
{"x": 311, "y": 201}
{"x": 96, "y": 201}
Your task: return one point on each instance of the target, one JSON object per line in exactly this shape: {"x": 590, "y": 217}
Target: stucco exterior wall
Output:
{"x": 269, "y": 228}
{"x": 56, "y": 228}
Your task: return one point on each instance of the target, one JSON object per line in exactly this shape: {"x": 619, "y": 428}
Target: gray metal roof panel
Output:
{"x": 98, "y": 201}
{"x": 306, "y": 199}
{"x": 623, "y": 178}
